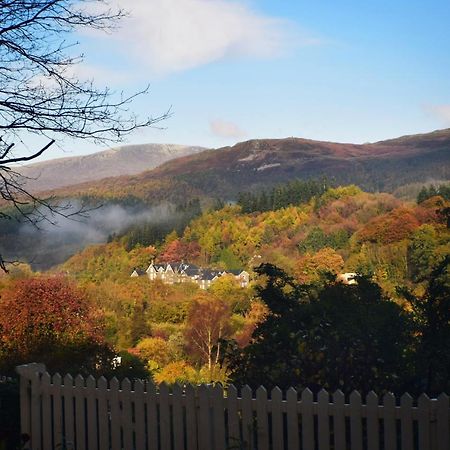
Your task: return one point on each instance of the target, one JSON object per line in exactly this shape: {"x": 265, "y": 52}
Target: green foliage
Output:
{"x": 421, "y": 251}
{"x": 317, "y": 239}
{"x": 431, "y": 191}
{"x": 337, "y": 193}
{"x": 293, "y": 193}
{"x": 431, "y": 312}
{"x": 347, "y": 337}
{"x": 154, "y": 231}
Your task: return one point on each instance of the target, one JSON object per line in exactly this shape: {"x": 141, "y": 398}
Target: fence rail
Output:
{"x": 99, "y": 414}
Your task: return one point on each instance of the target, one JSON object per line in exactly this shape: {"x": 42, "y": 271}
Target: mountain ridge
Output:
{"x": 258, "y": 163}
{"x": 123, "y": 160}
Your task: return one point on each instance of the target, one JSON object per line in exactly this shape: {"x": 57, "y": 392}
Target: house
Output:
{"x": 347, "y": 278}
{"x": 137, "y": 273}
{"x": 181, "y": 272}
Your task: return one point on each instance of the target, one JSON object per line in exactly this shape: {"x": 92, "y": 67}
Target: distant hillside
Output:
{"x": 126, "y": 160}
{"x": 380, "y": 166}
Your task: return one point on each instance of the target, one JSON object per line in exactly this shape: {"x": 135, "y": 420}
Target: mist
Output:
{"x": 58, "y": 237}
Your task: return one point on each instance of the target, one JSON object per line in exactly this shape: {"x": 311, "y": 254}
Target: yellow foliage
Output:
{"x": 177, "y": 372}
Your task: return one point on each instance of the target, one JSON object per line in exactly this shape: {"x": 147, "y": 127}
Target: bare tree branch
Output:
{"x": 41, "y": 94}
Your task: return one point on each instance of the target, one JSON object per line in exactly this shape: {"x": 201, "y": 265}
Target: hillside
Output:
{"x": 126, "y": 160}
{"x": 380, "y": 166}
{"x": 342, "y": 230}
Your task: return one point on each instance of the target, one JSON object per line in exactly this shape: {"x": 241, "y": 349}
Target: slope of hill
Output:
{"x": 380, "y": 166}
{"x": 126, "y": 160}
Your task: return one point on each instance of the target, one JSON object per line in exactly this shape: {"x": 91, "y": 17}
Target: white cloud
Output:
{"x": 99, "y": 74}
{"x": 174, "y": 35}
{"x": 440, "y": 112}
{"x": 225, "y": 129}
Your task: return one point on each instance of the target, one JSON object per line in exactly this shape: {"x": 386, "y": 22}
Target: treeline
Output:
{"x": 151, "y": 232}
{"x": 442, "y": 190}
{"x": 293, "y": 193}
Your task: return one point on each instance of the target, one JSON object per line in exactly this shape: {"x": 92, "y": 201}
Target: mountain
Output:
{"x": 125, "y": 160}
{"x": 133, "y": 199}
{"x": 254, "y": 164}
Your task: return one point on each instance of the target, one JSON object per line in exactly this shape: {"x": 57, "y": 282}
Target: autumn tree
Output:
{"x": 47, "y": 319}
{"x": 177, "y": 372}
{"x": 155, "y": 351}
{"x": 391, "y": 227}
{"x": 207, "y": 324}
{"x": 177, "y": 251}
{"x": 312, "y": 267}
{"x": 41, "y": 95}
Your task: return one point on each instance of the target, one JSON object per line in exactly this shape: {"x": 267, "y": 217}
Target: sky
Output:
{"x": 233, "y": 70}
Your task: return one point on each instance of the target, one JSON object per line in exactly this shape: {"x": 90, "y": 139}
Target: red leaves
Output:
{"x": 177, "y": 251}
{"x": 39, "y": 311}
{"x": 394, "y": 226}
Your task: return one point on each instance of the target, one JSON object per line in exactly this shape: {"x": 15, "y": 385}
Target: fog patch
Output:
{"x": 58, "y": 237}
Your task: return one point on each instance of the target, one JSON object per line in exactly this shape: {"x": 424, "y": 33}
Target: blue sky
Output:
{"x": 349, "y": 71}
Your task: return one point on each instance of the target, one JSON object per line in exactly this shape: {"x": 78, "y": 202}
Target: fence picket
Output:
{"x": 307, "y": 420}
{"x": 323, "y": 420}
{"x": 218, "y": 418}
{"x": 36, "y": 434}
{"x": 57, "y": 410}
{"x": 116, "y": 434}
{"x": 406, "y": 422}
{"x": 164, "y": 416}
{"x": 152, "y": 417}
{"x": 177, "y": 413}
{"x": 191, "y": 418}
{"x": 292, "y": 419}
{"x": 127, "y": 416}
{"x": 46, "y": 411}
{"x": 233, "y": 417}
{"x": 139, "y": 414}
{"x": 69, "y": 432}
{"x": 103, "y": 415}
{"x": 204, "y": 415}
{"x": 277, "y": 419}
{"x": 389, "y": 421}
{"x": 247, "y": 417}
{"x": 262, "y": 421}
{"x": 91, "y": 396}
{"x": 424, "y": 405}
{"x": 373, "y": 426}
{"x": 80, "y": 426}
{"x": 339, "y": 420}
{"x": 356, "y": 421}
{"x": 443, "y": 422}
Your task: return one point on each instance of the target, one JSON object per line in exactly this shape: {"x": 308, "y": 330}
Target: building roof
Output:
{"x": 190, "y": 270}
{"x": 140, "y": 272}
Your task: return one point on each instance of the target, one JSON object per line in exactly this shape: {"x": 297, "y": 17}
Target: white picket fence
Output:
{"x": 67, "y": 413}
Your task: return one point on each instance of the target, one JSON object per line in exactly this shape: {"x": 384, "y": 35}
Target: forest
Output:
{"x": 296, "y": 325}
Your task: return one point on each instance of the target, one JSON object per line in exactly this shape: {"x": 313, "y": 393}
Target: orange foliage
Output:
{"x": 394, "y": 226}
{"x": 309, "y": 267}
{"x": 256, "y": 315}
